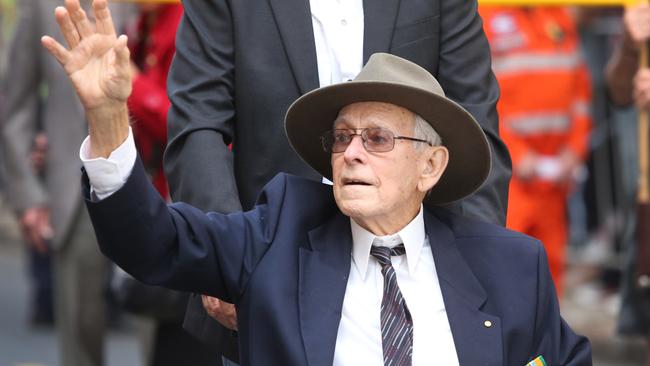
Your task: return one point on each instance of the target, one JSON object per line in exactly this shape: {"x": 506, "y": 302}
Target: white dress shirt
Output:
{"x": 107, "y": 176}
{"x": 358, "y": 340}
{"x": 338, "y": 34}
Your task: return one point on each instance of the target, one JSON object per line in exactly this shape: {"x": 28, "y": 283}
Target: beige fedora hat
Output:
{"x": 391, "y": 79}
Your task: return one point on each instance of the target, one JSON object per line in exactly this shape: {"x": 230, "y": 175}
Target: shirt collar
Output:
{"x": 412, "y": 235}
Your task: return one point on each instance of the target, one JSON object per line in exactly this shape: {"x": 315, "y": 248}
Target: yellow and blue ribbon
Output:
{"x": 539, "y": 361}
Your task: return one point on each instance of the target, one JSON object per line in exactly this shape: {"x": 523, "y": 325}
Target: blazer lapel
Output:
{"x": 324, "y": 268}
{"x": 380, "y": 16}
{"x": 293, "y": 18}
{"x": 477, "y": 335}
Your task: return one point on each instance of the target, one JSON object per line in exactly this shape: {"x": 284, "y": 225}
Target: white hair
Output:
{"x": 424, "y": 131}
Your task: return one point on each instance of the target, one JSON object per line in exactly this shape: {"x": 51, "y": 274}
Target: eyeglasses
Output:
{"x": 374, "y": 139}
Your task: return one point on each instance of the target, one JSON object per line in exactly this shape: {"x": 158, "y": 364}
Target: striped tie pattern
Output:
{"x": 396, "y": 322}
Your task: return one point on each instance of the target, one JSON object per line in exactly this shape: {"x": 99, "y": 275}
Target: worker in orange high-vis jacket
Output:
{"x": 544, "y": 114}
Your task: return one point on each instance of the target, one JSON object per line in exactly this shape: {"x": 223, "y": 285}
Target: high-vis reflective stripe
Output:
{"x": 529, "y": 62}
{"x": 538, "y": 124}
{"x": 581, "y": 108}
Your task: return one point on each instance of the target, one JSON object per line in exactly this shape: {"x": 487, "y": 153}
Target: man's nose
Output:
{"x": 355, "y": 150}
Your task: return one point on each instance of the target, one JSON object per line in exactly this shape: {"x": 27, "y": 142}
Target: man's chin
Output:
{"x": 353, "y": 207}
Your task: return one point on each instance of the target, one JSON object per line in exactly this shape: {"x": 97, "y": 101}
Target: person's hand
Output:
{"x": 39, "y": 152}
{"x": 222, "y": 312}
{"x": 642, "y": 88}
{"x": 98, "y": 64}
{"x": 36, "y": 228}
{"x": 637, "y": 22}
{"x": 569, "y": 163}
{"x": 526, "y": 167}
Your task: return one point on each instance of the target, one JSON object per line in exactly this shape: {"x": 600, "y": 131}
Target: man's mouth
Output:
{"x": 354, "y": 182}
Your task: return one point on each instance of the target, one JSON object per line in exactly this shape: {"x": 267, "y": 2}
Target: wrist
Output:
{"x": 108, "y": 128}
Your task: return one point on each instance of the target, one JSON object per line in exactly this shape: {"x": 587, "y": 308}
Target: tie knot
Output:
{"x": 383, "y": 254}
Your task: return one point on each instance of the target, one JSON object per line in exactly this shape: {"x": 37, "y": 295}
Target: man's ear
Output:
{"x": 435, "y": 162}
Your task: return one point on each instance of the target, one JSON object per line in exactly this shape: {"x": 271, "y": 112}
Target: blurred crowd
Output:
{"x": 571, "y": 86}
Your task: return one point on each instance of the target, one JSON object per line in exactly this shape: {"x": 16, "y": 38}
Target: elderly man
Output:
{"x": 368, "y": 271}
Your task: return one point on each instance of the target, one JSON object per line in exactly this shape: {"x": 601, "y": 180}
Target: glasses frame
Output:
{"x": 364, "y": 139}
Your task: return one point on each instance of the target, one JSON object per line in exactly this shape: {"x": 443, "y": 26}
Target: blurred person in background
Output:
{"x": 545, "y": 122}
{"x": 628, "y": 84}
{"x": 40, "y": 261}
{"x": 152, "y": 48}
{"x": 50, "y": 209}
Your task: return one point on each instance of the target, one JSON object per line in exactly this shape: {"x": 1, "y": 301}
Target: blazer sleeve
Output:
{"x": 21, "y": 89}
{"x": 465, "y": 73}
{"x": 553, "y": 339}
{"x": 201, "y": 120}
{"x": 179, "y": 246}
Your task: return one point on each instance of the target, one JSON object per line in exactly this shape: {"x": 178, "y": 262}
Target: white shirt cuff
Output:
{"x": 107, "y": 176}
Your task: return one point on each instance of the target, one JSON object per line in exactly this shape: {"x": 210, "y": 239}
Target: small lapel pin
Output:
{"x": 487, "y": 323}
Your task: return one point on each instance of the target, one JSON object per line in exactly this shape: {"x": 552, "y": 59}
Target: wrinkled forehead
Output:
{"x": 375, "y": 114}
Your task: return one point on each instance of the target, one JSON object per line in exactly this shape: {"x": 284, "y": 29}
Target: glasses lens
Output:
{"x": 378, "y": 140}
{"x": 341, "y": 139}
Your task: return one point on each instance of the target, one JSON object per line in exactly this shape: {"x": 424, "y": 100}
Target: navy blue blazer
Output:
{"x": 285, "y": 264}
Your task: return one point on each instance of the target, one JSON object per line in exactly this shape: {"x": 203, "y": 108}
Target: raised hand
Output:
{"x": 637, "y": 21}
{"x": 98, "y": 64}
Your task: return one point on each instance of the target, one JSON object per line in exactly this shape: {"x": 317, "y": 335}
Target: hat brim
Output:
{"x": 469, "y": 154}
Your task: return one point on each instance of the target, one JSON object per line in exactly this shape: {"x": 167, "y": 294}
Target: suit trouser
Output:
{"x": 79, "y": 282}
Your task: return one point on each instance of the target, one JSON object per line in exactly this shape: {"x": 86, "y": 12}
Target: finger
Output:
{"x": 122, "y": 56}
{"x": 79, "y": 18}
{"x": 46, "y": 231}
{"x": 33, "y": 239}
{"x": 103, "y": 18}
{"x": 67, "y": 28}
{"x": 56, "y": 49}
{"x": 206, "y": 303}
{"x": 122, "y": 53}
{"x": 643, "y": 74}
{"x": 40, "y": 245}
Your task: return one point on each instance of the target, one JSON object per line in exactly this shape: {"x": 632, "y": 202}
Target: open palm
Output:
{"x": 97, "y": 61}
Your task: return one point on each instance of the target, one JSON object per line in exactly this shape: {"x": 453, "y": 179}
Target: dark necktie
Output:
{"x": 396, "y": 322}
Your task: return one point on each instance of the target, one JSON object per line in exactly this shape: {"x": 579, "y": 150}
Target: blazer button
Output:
{"x": 487, "y": 324}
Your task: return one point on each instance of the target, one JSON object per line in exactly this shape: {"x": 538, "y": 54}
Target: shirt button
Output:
{"x": 487, "y": 324}
{"x": 344, "y": 22}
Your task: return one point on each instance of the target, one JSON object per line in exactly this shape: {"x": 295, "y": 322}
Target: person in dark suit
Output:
{"x": 240, "y": 64}
{"x": 310, "y": 267}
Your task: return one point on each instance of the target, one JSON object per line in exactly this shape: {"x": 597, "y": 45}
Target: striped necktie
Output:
{"x": 396, "y": 321}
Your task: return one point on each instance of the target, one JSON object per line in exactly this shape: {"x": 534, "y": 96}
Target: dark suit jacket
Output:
{"x": 240, "y": 64}
{"x": 285, "y": 264}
